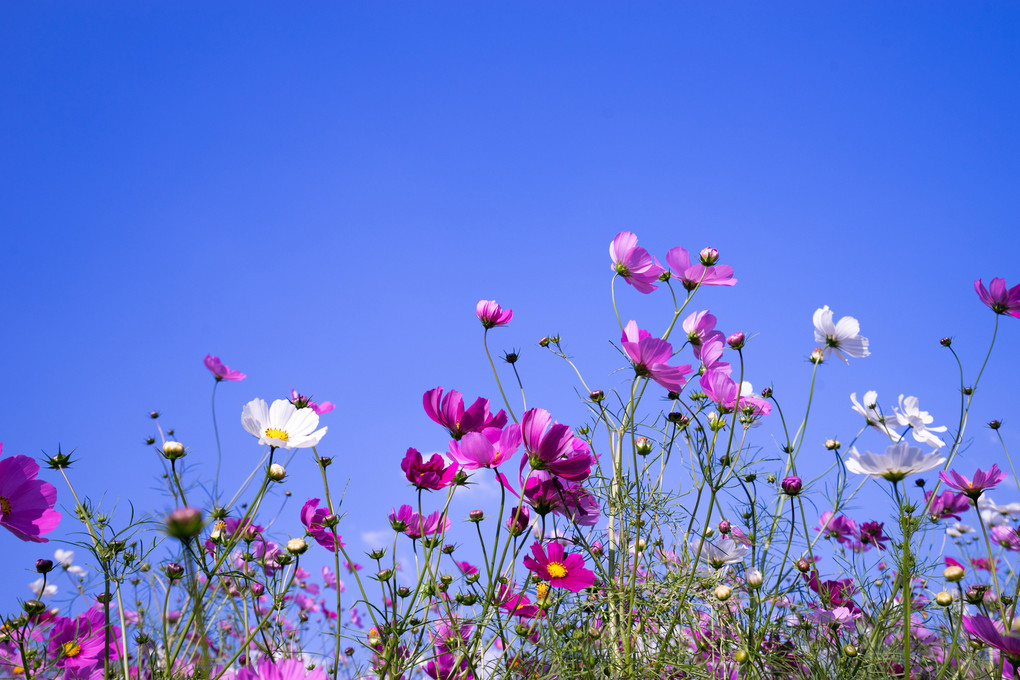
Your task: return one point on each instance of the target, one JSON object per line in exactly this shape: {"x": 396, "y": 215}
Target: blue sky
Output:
{"x": 320, "y": 195}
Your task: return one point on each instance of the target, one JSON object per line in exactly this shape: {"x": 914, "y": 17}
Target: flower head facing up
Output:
{"x": 433, "y": 474}
{"x": 26, "y": 503}
{"x": 692, "y": 276}
{"x": 649, "y": 356}
{"x": 282, "y": 425}
{"x": 973, "y": 488}
{"x": 449, "y": 412}
{"x": 998, "y": 298}
{"x": 301, "y": 401}
{"x": 839, "y": 338}
{"x": 222, "y": 371}
{"x": 633, "y": 263}
{"x": 492, "y": 315}
{"x": 898, "y": 461}
{"x": 559, "y": 569}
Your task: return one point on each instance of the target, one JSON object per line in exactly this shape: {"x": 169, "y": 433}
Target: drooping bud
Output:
{"x": 709, "y": 256}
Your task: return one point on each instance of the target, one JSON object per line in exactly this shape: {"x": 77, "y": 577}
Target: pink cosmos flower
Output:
{"x": 947, "y": 505}
{"x": 998, "y": 298}
{"x": 634, "y": 264}
{"x": 973, "y": 488}
{"x": 411, "y": 524}
{"x": 872, "y": 534}
{"x": 988, "y": 631}
{"x": 553, "y": 447}
{"x": 222, "y": 371}
{"x": 842, "y": 528}
{"x": 547, "y": 494}
{"x": 700, "y": 328}
{"x": 516, "y": 604}
{"x": 283, "y": 669}
{"x": 692, "y": 276}
{"x": 492, "y": 315}
{"x": 433, "y": 474}
{"x": 722, "y": 390}
{"x": 301, "y": 401}
{"x": 649, "y": 356}
{"x": 1006, "y": 536}
{"x": 78, "y": 644}
{"x": 560, "y": 570}
{"x": 489, "y": 448}
{"x": 449, "y": 412}
{"x": 314, "y": 517}
{"x": 26, "y": 503}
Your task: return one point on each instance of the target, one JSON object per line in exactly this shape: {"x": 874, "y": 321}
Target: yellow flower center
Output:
{"x": 556, "y": 570}
{"x": 273, "y": 433}
{"x": 71, "y": 649}
{"x": 5, "y": 505}
{"x": 542, "y": 590}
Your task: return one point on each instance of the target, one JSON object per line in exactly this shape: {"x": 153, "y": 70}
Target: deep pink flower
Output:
{"x": 314, "y": 519}
{"x": 552, "y": 446}
{"x": 221, "y": 371}
{"x": 283, "y": 669}
{"x": 516, "y": 604}
{"x": 872, "y": 534}
{"x": 649, "y": 356}
{"x": 691, "y": 276}
{"x": 436, "y": 523}
{"x": 546, "y": 493}
{"x": 973, "y": 488}
{"x": 449, "y": 412}
{"x": 987, "y": 631}
{"x": 78, "y": 644}
{"x": 433, "y": 474}
{"x": 947, "y": 505}
{"x": 560, "y": 570}
{"x": 832, "y": 593}
{"x": 26, "y": 503}
{"x": 634, "y": 264}
{"x": 491, "y": 314}
{"x": 998, "y": 298}
{"x": 301, "y": 401}
{"x": 489, "y": 448}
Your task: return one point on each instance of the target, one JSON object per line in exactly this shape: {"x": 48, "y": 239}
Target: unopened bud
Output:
{"x": 277, "y": 472}
{"x": 736, "y": 340}
{"x": 791, "y": 486}
{"x": 596, "y": 396}
{"x": 722, "y": 593}
{"x": 741, "y": 656}
{"x": 384, "y": 575}
{"x": 154, "y": 414}
{"x": 44, "y": 566}
{"x": 709, "y": 256}
{"x": 544, "y": 342}
{"x": 803, "y": 566}
{"x": 724, "y": 527}
{"x": 32, "y": 607}
{"x": 953, "y": 574}
{"x": 476, "y": 516}
{"x": 296, "y": 546}
{"x": 946, "y": 342}
{"x": 943, "y": 599}
{"x": 325, "y": 461}
{"x": 832, "y": 444}
{"x": 643, "y": 446}
{"x": 816, "y": 356}
{"x": 173, "y": 450}
{"x": 754, "y": 578}
{"x": 850, "y": 651}
{"x": 150, "y": 440}
{"x": 184, "y": 523}
{"x": 173, "y": 571}
{"x": 766, "y": 392}
{"x": 995, "y": 424}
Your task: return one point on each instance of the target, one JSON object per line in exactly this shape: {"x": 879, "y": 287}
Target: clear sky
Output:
{"x": 319, "y": 194}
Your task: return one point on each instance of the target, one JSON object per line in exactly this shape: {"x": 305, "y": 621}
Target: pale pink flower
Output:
{"x": 649, "y": 356}
{"x": 694, "y": 275}
{"x": 222, "y": 371}
{"x": 634, "y": 264}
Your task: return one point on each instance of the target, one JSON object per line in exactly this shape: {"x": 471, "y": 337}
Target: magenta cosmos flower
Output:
{"x": 649, "y": 356}
{"x": 283, "y": 669}
{"x": 222, "y": 371}
{"x": 987, "y": 631}
{"x": 314, "y": 518}
{"x": 553, "y": 447}
{"x": 634, "y": 264}
{"x": 449, "y": 412}
{"x": 692, "y": 276}
{"x": 432, "y": 474}
{"x": 998, "y": 298}
{"x": 491, "y": 314}
{"x": 489, "y": 448}
{"x": 560, "y": 570}
{"x": 972, "y": 488}
{"x": 26, "y": 503}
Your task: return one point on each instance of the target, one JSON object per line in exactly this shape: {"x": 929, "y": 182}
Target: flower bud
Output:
{"x": 946, "y": 342}
{"x": 803, "y": 566}
{"x": 816, "y": 356}
{"x": 709, "y": 256}
{"x": 832, "y": 444}
{"x": 741, "y": 656}
{"x": 384, "y": 574}
{"x": 511, "y": 357}
{"x": 544, "y": 342}
{"x": 154, "y": 414}
{"x": 766, "y": 392}
{"x": 754, "y": 578}
{"x": 995, "y": 424}
{"x": 943, "y": 599}
{"x": 184, "y": 523}
{"x": 296, "y": 546}
{"x": 257, "y": 589}
{"x": 325, "y": 461}
{"x": 953, "y": 574}
{"x": 596, "y": 396}
{"x": 277, "y": 472}
{"x": 975, "y": 594}
{"x": 518, "y": 522}
{"x": 173, "y": 571}
{"x": 722, "y": 593}
{"x": 791, "y": 486}
{"x": 173, "y": 450}
{"x": 850, "y": 651}
{"x": 643, "y": 446}
{"x": 33, "y": 607}
{"x": 476, "y": 515}
{"x": 150, "y": 440}
{"x": 736, "y": 340}
{"x": 44, "y": 566}
{"x": 724, "y": 527}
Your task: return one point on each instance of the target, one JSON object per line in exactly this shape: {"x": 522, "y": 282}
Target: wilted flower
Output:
{"x": 839, "y": 338}
{"x": 283, "y": 425}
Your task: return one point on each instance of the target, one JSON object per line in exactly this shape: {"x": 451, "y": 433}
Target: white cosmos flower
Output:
{"x": 282, "y": 425}
{"x": 898, "y": 461}
{"x": 871, "y": 413}
{"x": 837, "y": 338}
{"x": 36, "y": 587}
{"x": 909, "y": 415}
{"x": 721, "y": 553}
{"x": 959, "y": 529}
{"x": 995, "y": 515}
